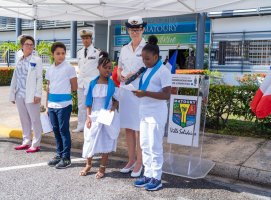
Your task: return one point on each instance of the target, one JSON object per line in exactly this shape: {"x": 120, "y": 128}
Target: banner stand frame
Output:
{"x": 187, "y": 160}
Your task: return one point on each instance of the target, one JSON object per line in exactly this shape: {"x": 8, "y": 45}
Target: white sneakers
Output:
{"x": 130, "y": 169}
{"x": 78, "y": 130}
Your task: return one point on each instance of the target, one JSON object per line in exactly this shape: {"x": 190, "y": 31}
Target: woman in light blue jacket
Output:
{"x": 26, "y": 92}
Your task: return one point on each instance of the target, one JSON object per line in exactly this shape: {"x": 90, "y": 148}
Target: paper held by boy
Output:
{"x": 105, "y": 117}
{"x": 129, "y": 87}
{"x": 46, "y": 123}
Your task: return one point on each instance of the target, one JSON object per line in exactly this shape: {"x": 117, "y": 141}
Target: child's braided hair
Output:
{"x": 103, "y": 59}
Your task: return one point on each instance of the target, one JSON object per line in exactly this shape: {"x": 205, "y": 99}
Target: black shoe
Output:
{"x": 55, "y": 160}
{"x": 64, "y": 163}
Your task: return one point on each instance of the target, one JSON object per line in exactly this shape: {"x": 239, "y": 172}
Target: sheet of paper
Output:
{"x": 105, "y": 117}
{"x": 129, "y": 87}
{"x": 46, "y": 123}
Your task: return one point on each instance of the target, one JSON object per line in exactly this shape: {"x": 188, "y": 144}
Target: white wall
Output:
{"x": 101, "y": 36}
{"x": 240, "y": 24}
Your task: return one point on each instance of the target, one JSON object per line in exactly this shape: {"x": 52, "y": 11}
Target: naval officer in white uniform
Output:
{"x": 88, "y": 58}
{"x": 130, "y": 61}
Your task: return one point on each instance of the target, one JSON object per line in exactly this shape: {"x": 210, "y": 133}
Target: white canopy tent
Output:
{"x": 93, "y": 10}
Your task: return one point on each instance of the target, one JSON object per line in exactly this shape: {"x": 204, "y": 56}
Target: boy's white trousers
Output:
{"x": 151, "y": 142}
{"x": 29, "y": 114}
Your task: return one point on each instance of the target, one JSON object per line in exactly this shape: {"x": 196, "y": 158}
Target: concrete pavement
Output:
{"x": 27, "y": 176}
{"x": 240, "y": 158}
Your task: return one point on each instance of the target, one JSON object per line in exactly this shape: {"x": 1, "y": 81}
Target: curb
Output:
{"x": 10, "y": 132}
{"x": 255, "y": 175}
{"x": 242, "y": 173}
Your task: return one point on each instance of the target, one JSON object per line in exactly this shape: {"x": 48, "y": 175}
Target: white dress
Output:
{"x": 130, "y": 62}
{"x": 100, "y": 138}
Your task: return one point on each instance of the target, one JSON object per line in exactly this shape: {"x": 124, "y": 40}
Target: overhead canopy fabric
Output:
{"x": 94, "y": 10}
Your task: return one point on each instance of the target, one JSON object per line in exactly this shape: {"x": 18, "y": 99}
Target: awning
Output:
{"x": 93, "y": 10}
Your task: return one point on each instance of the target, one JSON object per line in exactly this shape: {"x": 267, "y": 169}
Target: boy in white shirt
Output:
{"x": 62, "y": 80}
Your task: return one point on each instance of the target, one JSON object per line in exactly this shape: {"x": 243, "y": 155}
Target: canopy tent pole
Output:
{"x": 35, "y": 32}
{"x": 35, "y": 24}
{"x": 108, "y": 35}
{"x": 18, "y": 28}
{"x": 200, "y": 40}
{"x": 73, "y": 48}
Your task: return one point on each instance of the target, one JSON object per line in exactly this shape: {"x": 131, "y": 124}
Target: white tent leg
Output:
{"x": 35, "y": 31}
{"x": 108, "y": 35}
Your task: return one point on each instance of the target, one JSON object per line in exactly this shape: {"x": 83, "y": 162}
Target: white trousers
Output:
{"x": 29, "y": 114}
{"x": 82, "y": 112}
{"x": 151, "y": 142}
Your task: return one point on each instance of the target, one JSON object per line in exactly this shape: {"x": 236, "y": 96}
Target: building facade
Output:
{"x": 175, "y": 32}
{"x": 240, "y": 45}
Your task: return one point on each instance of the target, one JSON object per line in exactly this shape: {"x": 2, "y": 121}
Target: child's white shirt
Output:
{"x": 59, "y": 77}
{"x": 155, "y": 110}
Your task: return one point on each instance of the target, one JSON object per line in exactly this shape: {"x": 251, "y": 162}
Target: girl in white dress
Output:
{"x": 100, "y": 138}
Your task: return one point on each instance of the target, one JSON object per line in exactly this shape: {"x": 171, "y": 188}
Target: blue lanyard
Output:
{"x": 143, "y": 85}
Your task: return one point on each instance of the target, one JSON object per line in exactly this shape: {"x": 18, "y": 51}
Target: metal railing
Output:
{"x": 242, "y": 52}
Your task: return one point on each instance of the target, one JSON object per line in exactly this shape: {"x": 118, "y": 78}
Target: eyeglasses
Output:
{"x": 135, "y": 30}
{"x": 28, "y": 45}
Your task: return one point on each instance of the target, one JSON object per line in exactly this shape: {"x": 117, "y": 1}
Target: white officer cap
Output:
{"x": 135, "y": 22}
{"x": 85, "y": 32}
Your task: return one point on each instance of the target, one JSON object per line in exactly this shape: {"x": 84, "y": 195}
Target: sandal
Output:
{"x": 100, "y": 173}
{"x": 85, "y": 170}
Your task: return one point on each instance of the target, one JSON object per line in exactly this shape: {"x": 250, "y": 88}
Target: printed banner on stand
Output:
{"x": 184, "y": 120}
{"x": 185, "y": 80}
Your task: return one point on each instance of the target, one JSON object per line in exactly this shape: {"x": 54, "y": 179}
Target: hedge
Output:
{"x": 233, "y": 102}
{"x": 6, "y": 75}
{"x": 227, "y": 103}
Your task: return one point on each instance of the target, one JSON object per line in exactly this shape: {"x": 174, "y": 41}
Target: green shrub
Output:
{"x": 6, "y": 75}
{"x": 221, "y": 104}
{"x": 243, "y": 96}
{"x": 74, "y": 103}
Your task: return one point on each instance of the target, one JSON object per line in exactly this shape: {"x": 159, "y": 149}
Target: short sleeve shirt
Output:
{"x": 151, "y": 108}
{"x": 131, "y": 61}
{"x": 59, "y": 77}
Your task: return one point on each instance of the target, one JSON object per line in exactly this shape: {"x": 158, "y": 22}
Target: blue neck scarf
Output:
{"x": 143, "y": 85}
{"x": 110, "y": 92}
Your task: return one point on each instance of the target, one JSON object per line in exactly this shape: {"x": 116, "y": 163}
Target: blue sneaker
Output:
{"x": 142, "y": 181}
{"x": 153, "y": 185}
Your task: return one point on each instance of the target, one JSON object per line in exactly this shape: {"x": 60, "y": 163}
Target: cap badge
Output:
{"x": 134, "y": 22}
